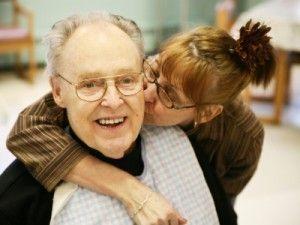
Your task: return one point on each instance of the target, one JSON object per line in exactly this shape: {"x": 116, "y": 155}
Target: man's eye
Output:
{"x": 90, "y": 84}
{"x": 127, "y": 80}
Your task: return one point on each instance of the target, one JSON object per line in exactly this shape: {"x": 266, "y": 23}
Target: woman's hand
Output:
{"x": 126, "y": 188}
{"x": 147, "y": 207}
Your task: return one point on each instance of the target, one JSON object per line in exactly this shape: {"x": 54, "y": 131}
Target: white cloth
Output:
{"x": 283, "y": 16}
{"x": 171, "y": 168}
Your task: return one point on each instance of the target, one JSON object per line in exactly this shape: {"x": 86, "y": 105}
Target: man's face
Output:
{"x": 112, "y": 124}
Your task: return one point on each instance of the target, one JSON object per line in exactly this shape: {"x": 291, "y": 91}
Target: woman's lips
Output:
{"x": 149, "y": 107}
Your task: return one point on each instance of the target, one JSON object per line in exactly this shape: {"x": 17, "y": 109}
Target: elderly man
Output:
{"x": 95, "y": 63}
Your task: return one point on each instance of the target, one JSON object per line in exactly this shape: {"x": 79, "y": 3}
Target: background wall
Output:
{"x": 158, "y": 19}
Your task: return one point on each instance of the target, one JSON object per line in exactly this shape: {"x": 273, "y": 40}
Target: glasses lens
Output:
{"x": 150, "y": 74}
{"x": 91, "y": 90}
{"x": 164, "y": 98}
{"x": 165, "y": 94}
{"x": 129, "y": 84}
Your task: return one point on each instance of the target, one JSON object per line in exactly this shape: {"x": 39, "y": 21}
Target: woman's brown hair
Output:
{"x": 213, "y": 68}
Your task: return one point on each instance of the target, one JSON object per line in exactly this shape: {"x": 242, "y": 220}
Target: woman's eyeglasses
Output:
{"x": 166, "y": 94}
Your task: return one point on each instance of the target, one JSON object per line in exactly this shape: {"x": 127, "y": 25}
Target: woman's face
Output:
{"x": 156, "y": 113}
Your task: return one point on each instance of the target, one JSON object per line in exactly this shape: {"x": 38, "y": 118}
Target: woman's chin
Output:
{"x": 149, "y": 119}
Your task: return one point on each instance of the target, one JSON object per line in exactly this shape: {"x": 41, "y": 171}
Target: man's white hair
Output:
{"x": 63, "y": 29}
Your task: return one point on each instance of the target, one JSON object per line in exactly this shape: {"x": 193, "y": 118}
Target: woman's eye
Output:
{"x": 172, "y": 94}
{"x": 170, "y": 91}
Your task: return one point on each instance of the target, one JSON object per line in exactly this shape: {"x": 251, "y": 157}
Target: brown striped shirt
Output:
{"x": 232, "y": 142}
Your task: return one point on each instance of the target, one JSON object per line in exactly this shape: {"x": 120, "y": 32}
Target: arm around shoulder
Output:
{"x": 39, "y": 141}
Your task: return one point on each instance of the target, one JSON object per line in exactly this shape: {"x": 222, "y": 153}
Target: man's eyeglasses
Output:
{"x": 94, "y": 89}
{"x": 166, "y": 94}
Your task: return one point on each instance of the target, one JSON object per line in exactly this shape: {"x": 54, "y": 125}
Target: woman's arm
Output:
{"x": 39, "y": 141}
{"x": 126, "y": 188}
{"x": 51, "y": 155}
{"x": 245, "y": 144}
{"x": 243, "y": 167}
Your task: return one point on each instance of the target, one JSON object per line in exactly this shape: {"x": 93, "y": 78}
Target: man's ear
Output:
{"x": 57, "y": 91}
{"x": 208, "y": 113}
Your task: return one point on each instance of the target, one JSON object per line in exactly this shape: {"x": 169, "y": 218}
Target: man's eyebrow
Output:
{"x": 126, "y": 71}
{"x": 122, "y": 71}
{"x": 85, "y": 76}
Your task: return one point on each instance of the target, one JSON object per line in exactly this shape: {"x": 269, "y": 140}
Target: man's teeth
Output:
{"x": 111, "y": 121}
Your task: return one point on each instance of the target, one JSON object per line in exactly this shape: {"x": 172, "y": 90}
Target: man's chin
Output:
{"x": 116, "y": 155}
{"x": 116, "y": 150}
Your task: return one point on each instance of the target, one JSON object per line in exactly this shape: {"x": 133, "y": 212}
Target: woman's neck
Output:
{"x": 188, "y": 125}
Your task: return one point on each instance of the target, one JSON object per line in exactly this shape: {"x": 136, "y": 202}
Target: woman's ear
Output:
{"x": 57, "y": 91}
{"x": 208, "y": 113}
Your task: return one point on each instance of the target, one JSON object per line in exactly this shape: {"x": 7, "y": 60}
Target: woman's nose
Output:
{"x": 150, "y": 92}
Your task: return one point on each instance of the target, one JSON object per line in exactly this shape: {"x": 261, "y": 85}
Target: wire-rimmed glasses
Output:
{"x": 93, "y": 89}
{"x": 165, "y": 93}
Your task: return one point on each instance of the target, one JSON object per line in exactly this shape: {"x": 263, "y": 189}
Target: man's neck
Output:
{"x": 131, "y": 162}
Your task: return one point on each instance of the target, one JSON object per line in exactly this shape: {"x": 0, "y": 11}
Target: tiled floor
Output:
{"x": 272, "y": 196}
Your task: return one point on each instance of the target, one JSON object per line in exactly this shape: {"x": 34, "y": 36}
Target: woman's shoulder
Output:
{"x": 238, "y": 117}
{"x": 236, "y": 120}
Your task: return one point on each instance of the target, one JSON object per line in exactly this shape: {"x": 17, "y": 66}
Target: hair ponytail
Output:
{"x": 212, "y": 67}
{"x": 255, "y": 52}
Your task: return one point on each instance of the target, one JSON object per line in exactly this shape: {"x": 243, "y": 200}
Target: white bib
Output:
{"x": 171, "y": 168}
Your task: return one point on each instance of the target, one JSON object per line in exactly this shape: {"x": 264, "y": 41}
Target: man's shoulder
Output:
{"x": 16, "y": 179}
{"x": 22, "y": 197}
{"x": 11, "y": 175}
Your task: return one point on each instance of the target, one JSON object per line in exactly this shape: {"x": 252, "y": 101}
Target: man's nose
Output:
{"x": 150, "y": 92}
{"x": 112, "y": 97}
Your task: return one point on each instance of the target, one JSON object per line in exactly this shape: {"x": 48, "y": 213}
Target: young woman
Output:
{"x": 194, "y": 83}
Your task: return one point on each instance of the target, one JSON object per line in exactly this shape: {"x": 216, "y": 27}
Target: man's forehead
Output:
{"x": 100, "y": 73}
{"x": 99, "y": 38}
{"x": 102, "y": 30}
{"x": 93, "y": 52}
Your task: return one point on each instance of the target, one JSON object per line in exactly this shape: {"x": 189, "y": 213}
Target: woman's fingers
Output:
{"x": 174, "y": 221}
{"x": 158, "y": 211}
{"x": 147, "y": 207}
{"x": 182, "y": 221}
